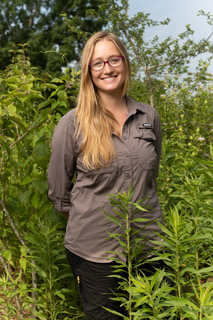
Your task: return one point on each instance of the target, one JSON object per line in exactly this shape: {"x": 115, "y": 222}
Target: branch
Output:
{"x": 181, "y": 57}
{"x": 34, "y": 277}
{"x": 123, "y": 28}
{"x": 139, "y": 57}
{"x": 12, "y": 223}
{"x": 10, "y": 279}
{"x": 26, "y": 132}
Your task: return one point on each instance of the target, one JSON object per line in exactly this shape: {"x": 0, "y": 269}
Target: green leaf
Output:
{"x": 117, "y": 313}
{"x": 165, "y": 230}
{"x": 113, "y": 219}
{"x": 179, "y": 302}
{"x": 6, "y": 147}
{"x": 35, "y": 199}
{"x": 7, "y": 254}
{"x": 141, "y": 300}
{"x": 48, "y": 85}
{"x": 41, "y": 153}
{"x": 40, "y": 186}
{"x": 140, "y": 220}
{"x": 25, "y": 196}
{"x": 138, "y": 206}
{"x": 57, "y": 80}
{"x": 26, "y": 180}
{"x": 22, "y": 124}
{"x": 23, "y": 263}
{"x": 44, "y": 104}
{"x": 11, "y": 109}
{"x": 199, "y": 272}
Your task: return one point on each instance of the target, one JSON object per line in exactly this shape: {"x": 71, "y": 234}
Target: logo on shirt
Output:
{"x": 147, "y": 125}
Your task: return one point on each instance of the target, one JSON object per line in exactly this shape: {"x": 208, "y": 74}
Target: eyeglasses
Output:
{"x": 114, "y": 61}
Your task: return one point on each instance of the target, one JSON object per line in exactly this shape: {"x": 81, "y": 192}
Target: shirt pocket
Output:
{"x": 145, "y": 147}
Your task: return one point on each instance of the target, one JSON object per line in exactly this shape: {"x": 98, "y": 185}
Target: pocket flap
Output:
{"x": 146, "y": 134}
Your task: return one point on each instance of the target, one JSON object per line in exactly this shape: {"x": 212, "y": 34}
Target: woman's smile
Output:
{"x": 109, "y": 79}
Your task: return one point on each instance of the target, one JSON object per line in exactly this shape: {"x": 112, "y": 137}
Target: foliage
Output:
{"x": 41, "y": 25}
{"x": 124, "y": 211}
{"x": 152, "y": 57}
{"x": 130, "y": 262}
{"x": 178, "y": 292}
{"x": 31, "y": 232}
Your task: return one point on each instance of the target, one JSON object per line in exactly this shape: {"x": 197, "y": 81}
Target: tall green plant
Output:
{"x": 30, "y": 107}
{"x": 177, "y": 292}
{"x": 124, "y": 210}
{"x": 48, "y": 254}
{"x": 181, "y": 244}
{"x": 138, "y": 289}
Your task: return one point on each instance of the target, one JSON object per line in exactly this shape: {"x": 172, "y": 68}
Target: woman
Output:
{"x": 111, "y": 142}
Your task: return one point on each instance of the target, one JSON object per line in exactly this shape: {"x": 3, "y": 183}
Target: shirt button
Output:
{"x": 125, "y": 138}
{"x": 128, "y": 175}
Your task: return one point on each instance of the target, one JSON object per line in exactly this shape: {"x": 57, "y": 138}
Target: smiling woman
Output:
{"x": 112, "y": 143}
{"x": 102, "y": 104}
{"x": 110, "y": 77}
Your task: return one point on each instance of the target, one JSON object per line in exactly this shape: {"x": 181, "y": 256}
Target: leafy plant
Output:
{"x": 173, "y": 293}
{"x": 140, "y": 289}
{"x": 30, "y": 109}
{"x": 124, "y": 211}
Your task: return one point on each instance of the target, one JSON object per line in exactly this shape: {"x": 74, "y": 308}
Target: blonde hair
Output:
{"x": 94, "y": 121}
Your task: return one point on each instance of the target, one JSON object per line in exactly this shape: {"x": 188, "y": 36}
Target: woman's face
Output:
{"x": 109, "y": 79}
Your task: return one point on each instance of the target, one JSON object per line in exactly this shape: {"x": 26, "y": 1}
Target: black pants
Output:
{"x": 95, "y": 287}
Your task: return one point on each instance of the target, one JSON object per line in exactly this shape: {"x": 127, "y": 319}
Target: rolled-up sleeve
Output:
{"x": 62, "y": 164}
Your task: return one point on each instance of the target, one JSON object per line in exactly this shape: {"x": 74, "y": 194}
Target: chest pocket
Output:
{"x": 144, "y": 141}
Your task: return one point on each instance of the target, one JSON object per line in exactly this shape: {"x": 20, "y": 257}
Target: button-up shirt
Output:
{"x": 136, "y": 164}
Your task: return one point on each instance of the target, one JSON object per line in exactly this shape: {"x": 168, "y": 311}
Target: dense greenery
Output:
{"x": 182, "y": 290}
{"x": 41, "y": 24}
{"x": 35, "y": 280}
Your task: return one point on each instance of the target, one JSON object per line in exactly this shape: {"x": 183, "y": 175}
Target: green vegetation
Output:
{"x": 35, "y": 279}
{"x": 183, "y": 289}
{"x": 41, "y": 24}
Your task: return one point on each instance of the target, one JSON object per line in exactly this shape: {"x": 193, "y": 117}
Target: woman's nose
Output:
{"x": 107, "y": 67}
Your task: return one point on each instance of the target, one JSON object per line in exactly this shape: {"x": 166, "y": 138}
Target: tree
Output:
{"x": 41, "y": 24}
{"x": 153, "y": 58}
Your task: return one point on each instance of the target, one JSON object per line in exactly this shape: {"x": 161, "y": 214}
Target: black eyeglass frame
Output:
{"x": 107, "y": 61}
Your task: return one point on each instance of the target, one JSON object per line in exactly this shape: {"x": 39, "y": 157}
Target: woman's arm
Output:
{"x": 62, "y": 165}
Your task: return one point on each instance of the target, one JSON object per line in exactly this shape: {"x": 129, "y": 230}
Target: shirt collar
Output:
{"x": 134, "y": 106}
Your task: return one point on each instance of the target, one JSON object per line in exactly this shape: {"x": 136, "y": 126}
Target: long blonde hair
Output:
{"x": 94, "y": 121}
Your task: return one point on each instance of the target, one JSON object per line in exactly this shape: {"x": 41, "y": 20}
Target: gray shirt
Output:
{"x": 136, "y": 164}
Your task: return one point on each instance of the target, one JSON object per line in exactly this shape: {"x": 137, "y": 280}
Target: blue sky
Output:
{"x": 180, "y": 12}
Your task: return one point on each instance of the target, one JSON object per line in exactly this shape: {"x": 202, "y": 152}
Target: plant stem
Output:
{"x": 12, "y": 223}
{"x": 128, "y": 222}
{"x": 10, "y": 279}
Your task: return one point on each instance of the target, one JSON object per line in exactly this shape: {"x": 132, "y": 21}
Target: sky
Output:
{"x": 180, "y": 12}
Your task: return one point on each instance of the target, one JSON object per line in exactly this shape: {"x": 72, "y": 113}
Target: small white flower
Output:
{"x": 201, "y": 139}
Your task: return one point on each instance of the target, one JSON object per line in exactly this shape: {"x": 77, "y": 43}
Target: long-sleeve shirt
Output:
{"x": 136, "y": 164}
